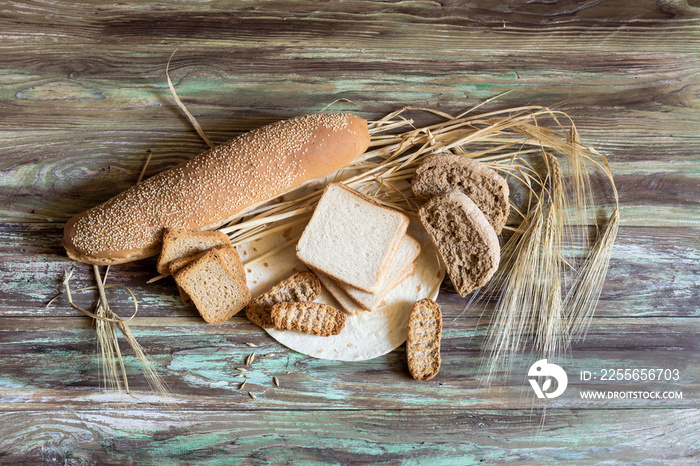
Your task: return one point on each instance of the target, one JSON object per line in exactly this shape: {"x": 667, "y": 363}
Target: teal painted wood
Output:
{"x": 83, "y": 99}
{"x": 653, "y": 272}
{"x": 441, "y": 437}
{"x": 200, "y": 363}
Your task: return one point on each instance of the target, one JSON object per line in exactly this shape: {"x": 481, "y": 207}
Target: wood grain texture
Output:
{"x": 83, "y": 100}
{"x": 653, "y": 273}
{"x": 199, "y": 362}
{"x": 355, "y": 437}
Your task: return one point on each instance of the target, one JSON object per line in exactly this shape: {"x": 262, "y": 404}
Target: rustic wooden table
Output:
{"x": 83, "y": 99}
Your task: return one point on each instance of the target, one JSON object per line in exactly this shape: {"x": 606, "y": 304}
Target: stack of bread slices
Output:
{"x": 357, "y": 247}
{"x": 208, "y": 272}
{"x": 466, "y": 210}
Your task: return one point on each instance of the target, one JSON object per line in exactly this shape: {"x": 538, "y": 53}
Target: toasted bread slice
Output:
{"x": 465, "y": 240}
{"x": 312, "y": 318}
{"x": 181, "y": 243}
{"x": 423, "y": 341}
{"x": 216, "y": 290}
{"x": 302, "y": 286}
{"x": 442, "y": 173}
{"x": 229, "y": 254}
{"x": 351, "y": 238}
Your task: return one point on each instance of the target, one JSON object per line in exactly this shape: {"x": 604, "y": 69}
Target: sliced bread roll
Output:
{"x": 442, "y": 173}
{"x": 351, "y": 238}
{"x": 465, "y": 240}
{"x": 215, "y": 187}
{"x": 214, "y": 288}
{"x": 423, "y": 341}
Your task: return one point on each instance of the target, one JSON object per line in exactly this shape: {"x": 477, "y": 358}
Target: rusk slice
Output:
{"x": 228, "y": 253}
{"x": 401, "y": 268}
{"x": 423, "y": 342}
{"x": 442, "y": 173}
{"x": 181, "y": 243}
{"x": 351, "y": 238}
{"x": 312, "y": 318}
{"x": 302, "y": 286}
{"x": 214, "y": 288}
{"x": 465, "y": 240}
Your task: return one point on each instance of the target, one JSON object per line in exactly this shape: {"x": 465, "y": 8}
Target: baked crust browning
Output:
{"x": 312, "y": 318}
{"x": 302, "y": 286}
{"x": 466, "y": 242}
{"x": 423, "y": 342}
{"x": 216, "y": 186}
{"x": 442, "y": 173}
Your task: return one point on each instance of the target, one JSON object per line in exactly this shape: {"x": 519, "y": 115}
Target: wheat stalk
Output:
{"x": 545, "y": 299}
{"x": 532, "y": 277}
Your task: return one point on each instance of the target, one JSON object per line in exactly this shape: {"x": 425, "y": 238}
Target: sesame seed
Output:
{"x": 245, "y": 167}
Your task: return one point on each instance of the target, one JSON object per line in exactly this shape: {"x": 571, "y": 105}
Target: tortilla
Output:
{"x": 366, "y": 335}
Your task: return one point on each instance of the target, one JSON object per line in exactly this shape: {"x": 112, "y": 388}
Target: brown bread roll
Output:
{"x": 216, "y": 186}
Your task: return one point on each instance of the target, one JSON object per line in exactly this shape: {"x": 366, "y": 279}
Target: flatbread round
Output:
{"x": 366, "y": 334}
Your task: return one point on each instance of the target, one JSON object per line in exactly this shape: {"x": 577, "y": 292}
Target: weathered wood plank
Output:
{"x": 316, "y": 437}
{"x": 653, "y": 272}
{"x": 199, "y": 362}
{"x": 47, "y": 177}
{"x": 363, "y": 22}
{"x": 83, "y": 97}
{"x": 619, "y": 97}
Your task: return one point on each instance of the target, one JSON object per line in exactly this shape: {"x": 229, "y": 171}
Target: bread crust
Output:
{"x": 444, "y": 172}
{"x": 182, "y": 276}
{"x": 389, "y": 256}
{"x": 423, "y": 341}
{"x": 312, "y": 318}
{"x": 465, "y": 277}
{"x": 216, "y": 186}
{"x": 301, "y": 286}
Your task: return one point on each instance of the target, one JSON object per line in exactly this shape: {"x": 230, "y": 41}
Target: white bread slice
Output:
{"x": 215, "y": 289}
{"x": 181, "y": 243}
{"x": 349, "y": 306}
{"x": 400, "y": 269}
{"x": 371, "y": 301}
{"x": 351, "y": 238}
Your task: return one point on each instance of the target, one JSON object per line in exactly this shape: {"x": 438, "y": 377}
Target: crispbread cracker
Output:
{"x": 312, "y": 318}
{"x": 423, "y": 341}
{"x": 302, "y": 286}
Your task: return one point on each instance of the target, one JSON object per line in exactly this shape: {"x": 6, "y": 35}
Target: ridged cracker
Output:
{"x": 312, "y": 318}
{"x": 302, "y": 286}
{"x": 423, "y": 342}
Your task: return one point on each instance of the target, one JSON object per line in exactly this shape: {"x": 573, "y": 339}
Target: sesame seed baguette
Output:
{"x": 215, "y": 187}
